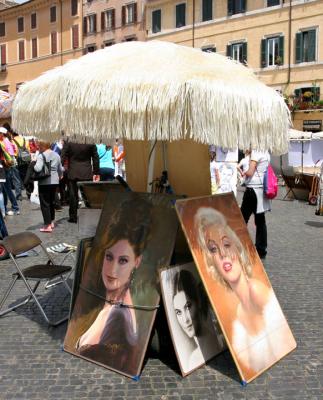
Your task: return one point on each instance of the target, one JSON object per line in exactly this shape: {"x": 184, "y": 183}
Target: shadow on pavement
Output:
{"x": 315, "y": 224}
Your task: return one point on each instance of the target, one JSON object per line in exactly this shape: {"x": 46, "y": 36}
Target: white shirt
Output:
{"x": 262, "y": 159}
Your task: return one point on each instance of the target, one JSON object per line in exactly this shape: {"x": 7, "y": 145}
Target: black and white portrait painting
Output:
{"x": 194, "y": 329}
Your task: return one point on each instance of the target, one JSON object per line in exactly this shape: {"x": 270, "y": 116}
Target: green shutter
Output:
{"x": 244, "y": 52}
{"x": 207, "y": 10}
{"x": 298, "y": 92}
{"x": 229, "y": 50}
{"x": 243, "y": 6}
{"x": 230, "y": 7}
{"x": 263, "y": 63}
{"x": 312, "y": 45}
{"x": 316, "y": 93}
{"x": 299, "y": 48}
{"x": 281, "y": 49}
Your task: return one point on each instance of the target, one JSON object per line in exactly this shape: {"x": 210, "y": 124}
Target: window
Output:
{"x": 271, "y": 3}
{"x": 5, "y": 88}
{"x": 207, "y": 12}
{"x": 314, "y": 90}
{"x": 209, "y": 49}
{"x": 21, "y": 50}
{"x": 306, "y": 46}
{"x": 156, "y": 21}
{"x": 272, "y": 51}
{"x": 129, "y": 14}
{"x": 90, "y": 48}
{"x": 109, "y": 43}
{"x": 74, "y": 7}
{"x": 3, "y": 54}
{"x": 130, "y": 38}
{"x": 108, "y": 20}
{"x": 180, "y": 15}
{"x": 52, "y": 14}
{"x": 20, "y": 24}
{"x": 53, "y": 42}
{"x": 2, "y": 29}
{"x": 89, "y": 24}
{"x": 75, "y": 36}
{"x": 33, "y": 21}
{"x": 238, "y": 51}
{"x": 236, "y": 6}
{"x": 34, "y": 48}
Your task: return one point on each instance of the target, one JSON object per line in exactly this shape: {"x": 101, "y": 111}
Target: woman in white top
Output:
{"x": 254, "y": 201}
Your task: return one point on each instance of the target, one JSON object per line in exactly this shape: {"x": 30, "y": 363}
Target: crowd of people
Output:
{"x": 21, "y": 159}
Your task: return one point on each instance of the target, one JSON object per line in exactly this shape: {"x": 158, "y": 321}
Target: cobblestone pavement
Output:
{"x": 32, "y": 365}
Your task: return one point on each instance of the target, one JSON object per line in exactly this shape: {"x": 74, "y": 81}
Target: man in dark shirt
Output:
{"x": 83, "y": 165}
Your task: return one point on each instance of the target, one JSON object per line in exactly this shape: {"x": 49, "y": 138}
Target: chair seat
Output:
{"x": 44, "y": 271}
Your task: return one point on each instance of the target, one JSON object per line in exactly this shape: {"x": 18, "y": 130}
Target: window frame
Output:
{"x": 31, "y": 20}
{"x": 23, "y": 41}
{"x": 32, "y": 41}
{"x": 274, "y": 5}
{"x": 50, "y": 14}
{"x": 4, "y": 45}
{"x": 51, "y": 42}
{"x": 202, "y": 10}
{"x": 21, "y": 18}
{"x": 278, "y": 59}
{"x": 210, "y": 48}
{"x": 232, "y": 7}
{"x": 3, "y": 23}
{"x": 105, "y": 19}
{"x": 182, "y": 3}
{"x": 152, "y": 20}
{"x": 75, "y": 46}
{"x": 74, "y": 8}
{"x": 315, "y": 51}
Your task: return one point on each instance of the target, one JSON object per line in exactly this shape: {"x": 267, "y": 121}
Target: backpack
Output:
{"x": 270, "y": 183}
{"x": 23, "y": 156}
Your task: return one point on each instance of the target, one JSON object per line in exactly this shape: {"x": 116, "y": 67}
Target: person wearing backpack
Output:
{"x": 22, "y": 154}
{"x": 254, "y": 200}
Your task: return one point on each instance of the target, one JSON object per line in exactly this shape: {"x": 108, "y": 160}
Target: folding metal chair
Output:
{"x": 23, "y": 242}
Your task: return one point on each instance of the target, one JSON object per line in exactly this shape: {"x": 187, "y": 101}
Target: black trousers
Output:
{"x": 47, "y": 202}
{"x": 248, "y": 207}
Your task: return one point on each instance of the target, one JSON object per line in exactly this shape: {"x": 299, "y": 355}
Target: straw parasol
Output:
{"x": 154, "y": 90}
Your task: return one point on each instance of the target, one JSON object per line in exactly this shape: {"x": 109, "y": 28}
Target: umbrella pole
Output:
{"x": 151, "y": 165}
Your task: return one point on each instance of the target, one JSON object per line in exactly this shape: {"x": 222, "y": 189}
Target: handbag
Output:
{"x": 45, "y": 172}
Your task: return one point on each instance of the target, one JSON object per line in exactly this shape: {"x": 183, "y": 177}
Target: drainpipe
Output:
{"x": 193, "y": 25}
{"x": 289, "y": 41}
{"x": 61, "y": 28}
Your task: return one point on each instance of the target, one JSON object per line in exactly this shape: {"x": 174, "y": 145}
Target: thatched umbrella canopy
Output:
{"x": 154, "y": 90}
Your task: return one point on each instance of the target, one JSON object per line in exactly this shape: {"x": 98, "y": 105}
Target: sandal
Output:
{"x": 47, "y": 229}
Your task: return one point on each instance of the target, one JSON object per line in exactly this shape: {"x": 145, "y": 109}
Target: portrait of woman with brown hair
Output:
{"x": 258, "y": 332}
{"x": 111, "y": 336}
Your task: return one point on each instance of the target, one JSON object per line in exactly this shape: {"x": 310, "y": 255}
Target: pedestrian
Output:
{"x": 22, "y": 153}
{"x": 254, "y": 200}
{"x": 47, "y": 186}
{"x": 8, "y": 161}
{"x": 119, "y": 159}
{"x": 83, "y": 165}
{"x": 106, "y": 162}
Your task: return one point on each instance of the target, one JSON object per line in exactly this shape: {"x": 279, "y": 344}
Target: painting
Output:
{"x": 227, "y": 177}
{"x": 118, "y": 294}
{"x": 237, "y": 285}
{"x": 194, "y": 329}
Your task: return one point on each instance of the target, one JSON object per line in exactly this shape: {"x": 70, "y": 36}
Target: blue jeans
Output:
{"x": 106, "y": 174}
{"x": 16, "y": 180}
{"x": 2, "y": 207}
{"x": 8, "y": 193}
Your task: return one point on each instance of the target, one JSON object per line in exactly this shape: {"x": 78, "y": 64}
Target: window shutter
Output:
{"x": 229, "y": 50}
{"x": 74, "y": 7}
{"x": 113, "y": 18}
{"x": 312, "y": 45}
{"x": 3, "y": 54}
{"x": 103, "y": 20}
{"x": 230, "y": 7}
{"x": 135, "y": 13}
{"x": 299, "y": 48}
{"x": 244, "y": 52}
{"x": 53, "y": 14}
{"x": 34, "y": 47}
{"x": 33, "y": 21}
{"x": 123, "y": 16}
{"x": 263, "y": 53}
{"x": 54, "y": 42}
{"x": 75, "y": 36}
{"x": 2, "y": 29}
{"x": 243, "y": 6}
{"x": 94, "y": 22}
{"x": 85, "y": 25}
{"x": 21, "y": 50}
{"x": 298, "y": 92}
{"x": 281, "y": 49}
{"x": 316, "y": 92}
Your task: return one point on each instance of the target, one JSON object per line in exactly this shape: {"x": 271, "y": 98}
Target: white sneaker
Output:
{"x": 10, "y": 212}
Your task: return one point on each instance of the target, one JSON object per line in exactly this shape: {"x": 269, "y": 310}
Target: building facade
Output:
{"x": 108, "y": 22}
{"x": 281, "y": 40}
{"x": 37, "y": 36}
